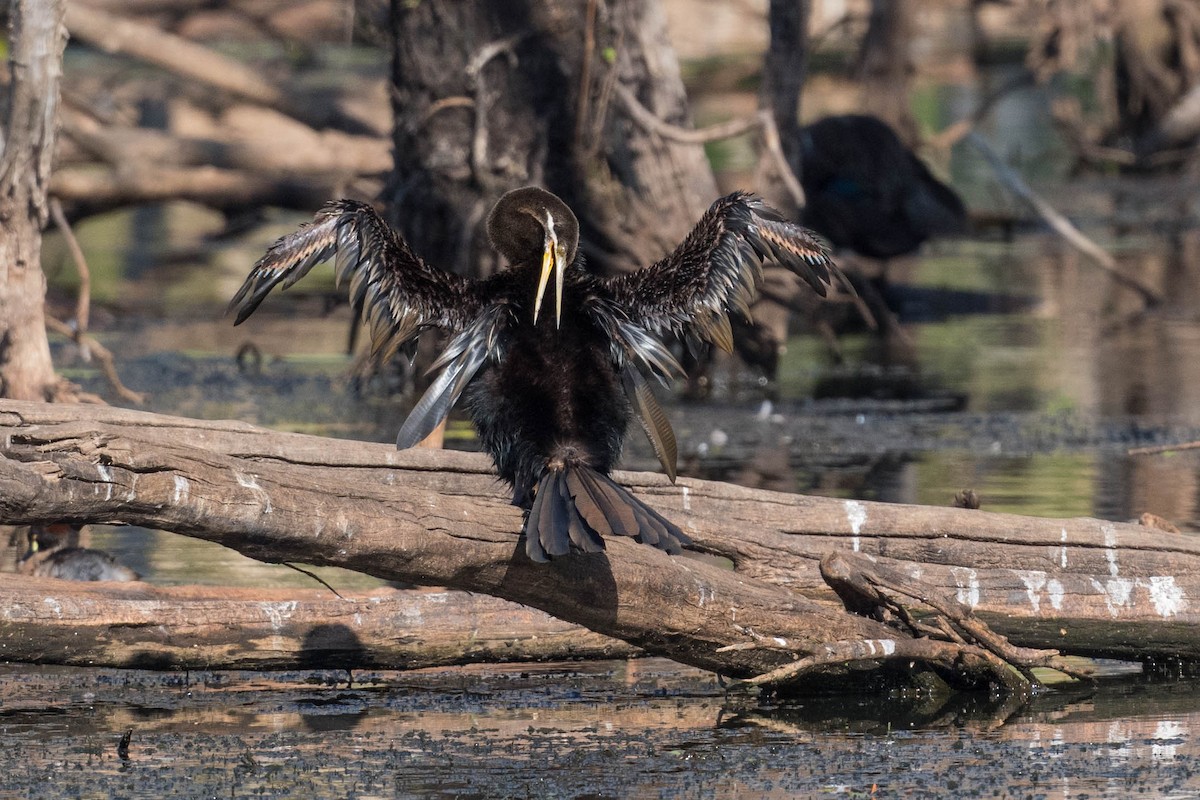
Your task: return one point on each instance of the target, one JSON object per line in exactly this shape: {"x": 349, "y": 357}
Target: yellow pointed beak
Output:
{"x": 553, "y": 257}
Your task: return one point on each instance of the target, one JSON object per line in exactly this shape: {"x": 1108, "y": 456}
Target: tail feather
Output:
{"x": 582, "y": 536}
{"x": 534, "y": 535}
{"x": 616, "y": 509}
{"x": 555, "y": 520}
{"x": 576, "y": 505}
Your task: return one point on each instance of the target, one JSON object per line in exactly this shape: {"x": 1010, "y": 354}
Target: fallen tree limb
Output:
{"x": 255, "y": 140}
{"x": 140, "y": 626}
{"x": 407, "y": 522}
{"x": 116, "y": 34}
{"x": 91, "y": 190}
{"x": 1081, "y": 586}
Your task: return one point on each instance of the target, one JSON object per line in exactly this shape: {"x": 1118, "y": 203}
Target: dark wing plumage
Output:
{"x": 716, "y": 270}
{"x": 691, "y": 292}
{"x": 398, "y": 293}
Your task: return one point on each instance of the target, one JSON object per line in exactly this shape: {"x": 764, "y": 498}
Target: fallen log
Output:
{"x": 1090, "y": 587}
{"x": 409, "y": 521}
{"x": 48, "y": 621}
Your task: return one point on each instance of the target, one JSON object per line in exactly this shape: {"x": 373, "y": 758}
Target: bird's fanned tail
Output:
{"x": 578, "y": 506}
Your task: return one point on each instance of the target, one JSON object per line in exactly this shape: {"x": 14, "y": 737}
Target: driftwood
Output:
{"x": 1082, "y": 586}
{"x": 199, "y": 627}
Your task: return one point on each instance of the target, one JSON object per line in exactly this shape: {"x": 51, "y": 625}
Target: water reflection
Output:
{"x": 638, "y": 729}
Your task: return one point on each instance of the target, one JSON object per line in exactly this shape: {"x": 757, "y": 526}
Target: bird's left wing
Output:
{"x": 691, "y": 292}
{"x": 717, "y": 268}
{"x": 399, "y": 295}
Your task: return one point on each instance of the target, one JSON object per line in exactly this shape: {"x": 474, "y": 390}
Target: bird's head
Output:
{"x": 530, "y": 226}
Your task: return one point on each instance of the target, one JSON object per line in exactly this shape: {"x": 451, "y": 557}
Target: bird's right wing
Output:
{"x": 398, "y": 293}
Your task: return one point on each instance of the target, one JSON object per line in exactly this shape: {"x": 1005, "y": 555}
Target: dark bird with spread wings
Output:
{"x": 551, "y": 390}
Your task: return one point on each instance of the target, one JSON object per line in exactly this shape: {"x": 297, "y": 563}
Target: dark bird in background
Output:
{"x": 551, "y": 390}
{"x": 54, "y": 552}
{"x": 867, "y": 192}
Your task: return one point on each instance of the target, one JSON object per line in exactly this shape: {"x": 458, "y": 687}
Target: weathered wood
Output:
{"x": 1083, "y": 586}
{"x": 406, "y": 521}
{"x": 200, "y": 627}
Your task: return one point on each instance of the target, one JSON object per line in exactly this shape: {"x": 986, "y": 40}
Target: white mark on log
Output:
{"x": 967, "y": 581}
{"x": 251, "y": 482}
{"x": 1117, "y": 592}
{"x": 390, "y": 479}
{"x": 1110, "y": 549}
{"x": 687, "y": 501}
{"x": 1055, "y": 591}
{"x": 915, "y": 573}
{"x": 707, "y": 595}
{"x": 881, "y": 646}
{"x": 1035, "y": 581}
{"x": 54, "y": 606}
{"x": 105, "y": 475}
{"x": 278, "y": 613}
{"x": 358, "y": 619}
{"x": 131, "y": 495}
{"x": 181, "y": 490}
{"x": 856, "y": 515}
{"x": 1116, "y": 733}
{"x": 1167, "y": 596}
{"x": 1062, "y": 558}
{"x": 782, "y": 642}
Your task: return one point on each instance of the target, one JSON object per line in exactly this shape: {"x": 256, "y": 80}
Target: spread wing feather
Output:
{"x": 691, "y": 292}
{"x": 462, "y": 358}
{"x": 717, "y": 268}
{"x": 398, "y": 293}
{"x": 651, "y": 417}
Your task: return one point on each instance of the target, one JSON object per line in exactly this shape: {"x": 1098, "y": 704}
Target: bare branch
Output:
{"x": 1060, "y": 224}
{"x": 146, "y": 42}
{"x": 84, "y": 302}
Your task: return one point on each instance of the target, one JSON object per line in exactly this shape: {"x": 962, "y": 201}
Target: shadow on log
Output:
{"x": 440, "y": 518}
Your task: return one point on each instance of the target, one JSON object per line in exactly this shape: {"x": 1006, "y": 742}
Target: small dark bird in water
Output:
{"x": 867, "y": 192}
{"x": 54, "y": 553}
{"x": 551, "y": 391}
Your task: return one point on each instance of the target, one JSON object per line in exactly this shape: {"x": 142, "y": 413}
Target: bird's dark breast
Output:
{"x": 554, "y": 394}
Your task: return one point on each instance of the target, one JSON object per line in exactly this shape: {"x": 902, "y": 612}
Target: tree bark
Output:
{"x": 1084, "y": 586}
{"x": 137, "y": 626}
{"x": 885, "y": 67}
{"x": 784, "y": 70}
{"x": 37, "y": 38}
{"x": 491, "y": 96}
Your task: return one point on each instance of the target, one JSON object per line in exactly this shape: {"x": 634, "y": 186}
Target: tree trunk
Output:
{"x": 784, "y": 70}
{"x": 490, "y": 96}
{"x": 885, "y": 66}
{"x": 37, "y": 39}
{"x": 1083, "y": 586}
